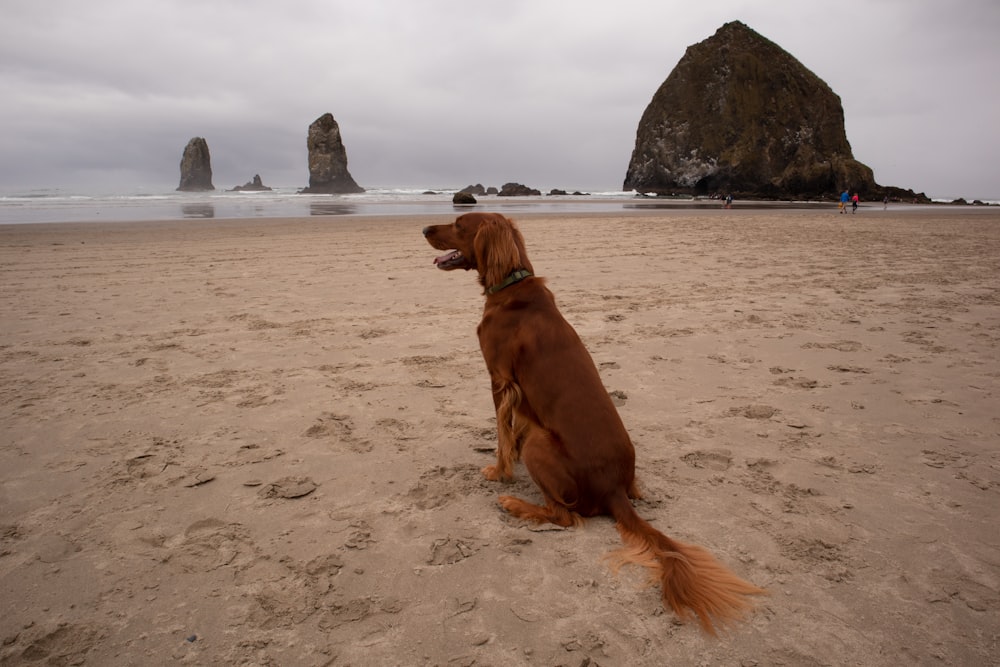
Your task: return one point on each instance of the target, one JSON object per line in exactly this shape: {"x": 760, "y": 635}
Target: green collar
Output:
{"x": 515, "y": 277}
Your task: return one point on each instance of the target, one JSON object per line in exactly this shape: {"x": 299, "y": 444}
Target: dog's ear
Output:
{"x": 498, "y": 253}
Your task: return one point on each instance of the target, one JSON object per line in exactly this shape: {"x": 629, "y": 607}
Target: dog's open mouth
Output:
{"x": 450, "y": 260}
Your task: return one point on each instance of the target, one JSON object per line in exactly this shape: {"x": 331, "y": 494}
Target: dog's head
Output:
{"x": 487, "y": 242}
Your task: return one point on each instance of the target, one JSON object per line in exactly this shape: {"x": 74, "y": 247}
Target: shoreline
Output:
{"x": 285, "y": 205}
{"x": 238, "y": 441}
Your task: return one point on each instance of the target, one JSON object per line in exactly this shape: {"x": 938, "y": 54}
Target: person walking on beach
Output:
{"x": 729, "y": 201}
{"x": 885, "y": 202}
{"x": 843, "y": 201}
{"x": 854, "y": 203}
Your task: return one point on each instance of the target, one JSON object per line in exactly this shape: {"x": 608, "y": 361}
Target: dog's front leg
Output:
{"x": 506, "y": 398}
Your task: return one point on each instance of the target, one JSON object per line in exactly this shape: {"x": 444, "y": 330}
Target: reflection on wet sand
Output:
{"x": 331, "y": 208}
{"x": 198, "y": 210}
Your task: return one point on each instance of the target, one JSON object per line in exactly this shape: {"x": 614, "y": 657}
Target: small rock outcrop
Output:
{"x": 476, "y": 189}
{"x": 517, "y": 190}
{"x": 196, "y": 167}
{"x": 461, "y": 197}
{"x": 740, "y": 114}
{"x": 328, "y": 159}
{"x": 256, "y": 185}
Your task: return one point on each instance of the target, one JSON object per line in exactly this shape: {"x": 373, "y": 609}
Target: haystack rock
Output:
{"x": 739, "y": 114}
{"x": 196, "y": 167}
{"x": 328, "y": 159}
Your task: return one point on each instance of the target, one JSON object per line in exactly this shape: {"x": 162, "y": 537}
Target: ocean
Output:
{"x": 59, "y": 205}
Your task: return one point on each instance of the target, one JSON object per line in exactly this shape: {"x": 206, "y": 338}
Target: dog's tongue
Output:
{"x": 446, "y": 257}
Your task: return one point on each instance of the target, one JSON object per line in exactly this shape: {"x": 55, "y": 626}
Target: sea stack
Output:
{"x": 253, "y": 185}
{"x": 739, "y": 114}
{"x": 328, "y": 159}
{"x": 196, "y": 167}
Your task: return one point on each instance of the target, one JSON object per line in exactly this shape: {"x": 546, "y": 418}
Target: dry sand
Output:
{"x": 258, "y": 442}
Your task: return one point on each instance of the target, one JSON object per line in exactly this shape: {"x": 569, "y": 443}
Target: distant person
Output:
{"x": 885, "y": 202}
{"x": 844, "y": 197}
{"x": 854, "y": 203}
{"x": 729, "y": 201}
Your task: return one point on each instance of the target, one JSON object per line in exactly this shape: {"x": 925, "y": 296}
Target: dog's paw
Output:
{"x": 494, "y": 474}
{"x": 511, "y": 504}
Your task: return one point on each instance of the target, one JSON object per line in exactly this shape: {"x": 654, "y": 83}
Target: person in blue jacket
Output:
{"x": 844, "y": 198}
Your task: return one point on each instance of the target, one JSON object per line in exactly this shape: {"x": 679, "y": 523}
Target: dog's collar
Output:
{"x": 513, "y": 278}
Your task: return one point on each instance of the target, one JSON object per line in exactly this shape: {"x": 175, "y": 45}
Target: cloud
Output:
{"x": 445, "y": 93}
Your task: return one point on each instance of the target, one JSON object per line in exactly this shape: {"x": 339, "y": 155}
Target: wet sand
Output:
{"x": 259, "y": 441}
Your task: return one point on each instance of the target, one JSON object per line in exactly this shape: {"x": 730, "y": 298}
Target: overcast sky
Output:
{"x": 439, "y": 93}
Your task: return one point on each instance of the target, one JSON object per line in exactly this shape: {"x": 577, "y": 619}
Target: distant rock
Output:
{"x": 556, "y": 191}
{"x": 461, "y": 197}
{"x": 256, "y": 185}
{"x": 196, "y": 167}
{"x": 517, "y": 190}
{"x": 492, "y": 191}
{"x": 328, "y": 159}
{"x": 476, "y": 189}
{"x": 739, "y": 114}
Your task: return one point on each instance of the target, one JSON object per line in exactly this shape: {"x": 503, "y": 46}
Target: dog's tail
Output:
{"x": 692, "y": 580}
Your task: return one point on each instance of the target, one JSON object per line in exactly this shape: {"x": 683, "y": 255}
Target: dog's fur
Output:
{"x": 554, "y": 412}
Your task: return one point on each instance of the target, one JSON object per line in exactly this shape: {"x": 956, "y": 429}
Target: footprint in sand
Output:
{"x": 55, "y": 548}
{"x": 936, "y": 459}
{"x": 288, "y": 487}
{"x": 66, "y": 644}
{"x": 720, "y": 459}
{"x": 290, "y": 599}
{"x": 356, "y": 610}
{"x": 443, "y": 485}
{"x": 210, "y": 544}
{"x": 754, "y": 411}
{"x": 361, "y": 537}
{"x": 796, "y": 382}
{"x": 823, "y": 557}
{"x": 840, "y": 346}
{"x": 845, "y": 368}
{"x": 254, "y": 323}
{"x": 448, "y": 551}
{"x": 339, "y": 428}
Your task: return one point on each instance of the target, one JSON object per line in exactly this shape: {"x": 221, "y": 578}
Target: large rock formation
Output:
{"x": 328, "y": 159}
{"x": 196, "y": 167}
{"x": 739, "y": 114}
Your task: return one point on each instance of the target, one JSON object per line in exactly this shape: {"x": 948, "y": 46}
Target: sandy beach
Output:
{"x": 258, "y": 442}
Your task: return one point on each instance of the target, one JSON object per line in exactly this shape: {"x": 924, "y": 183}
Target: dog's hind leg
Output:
{"x": 551, "y": 513}
{"x": 550, "y": 474}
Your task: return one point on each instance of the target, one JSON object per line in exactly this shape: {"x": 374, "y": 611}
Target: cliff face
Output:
{"x": 196, "y": 167}
{"x": 739, "y": 114}
{"x": 328, "y": 159}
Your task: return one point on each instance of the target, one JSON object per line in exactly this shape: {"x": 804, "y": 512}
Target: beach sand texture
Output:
{"x": 259, "y": 442}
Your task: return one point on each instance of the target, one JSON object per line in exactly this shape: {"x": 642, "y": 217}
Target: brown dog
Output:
{"x": 554, "y": 412}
